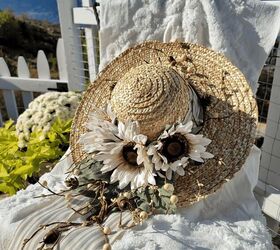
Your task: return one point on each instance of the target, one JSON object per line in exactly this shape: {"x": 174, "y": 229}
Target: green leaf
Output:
{"x": 91, "y": 170}
{"x": 9, "y": 124}
{"x": 27, "y": 169}
{"x": 6, "y": 188}
{"x": 16, "y": 165}
{"x": 3, "y": 171}
{"x": 164, "y": 192}
{"x": 144, "y": 206}
{"x": 52, "y": 136}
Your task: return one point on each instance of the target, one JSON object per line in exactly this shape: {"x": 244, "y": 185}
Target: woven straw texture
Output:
{"x": 153, "y": 95}
{"x": 230, "y": 115}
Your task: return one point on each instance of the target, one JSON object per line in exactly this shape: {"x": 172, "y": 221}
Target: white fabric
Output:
{"x": 243, "y": 30}
{"x": 230, "y": 219}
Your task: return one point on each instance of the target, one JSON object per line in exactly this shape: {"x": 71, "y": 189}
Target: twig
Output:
{"x": 54, "y": 193}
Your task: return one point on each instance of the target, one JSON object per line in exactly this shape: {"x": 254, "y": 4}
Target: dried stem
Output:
{"x": 54, "y": 193}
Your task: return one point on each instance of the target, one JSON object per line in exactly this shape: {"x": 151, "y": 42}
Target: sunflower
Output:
{"x": 120, "y": 147}
{"x": 175, "y": 147}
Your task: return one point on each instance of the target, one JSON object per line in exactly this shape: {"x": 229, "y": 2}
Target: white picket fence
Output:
{"x": 76, "y": 57}
{"x": 28, "y": 85}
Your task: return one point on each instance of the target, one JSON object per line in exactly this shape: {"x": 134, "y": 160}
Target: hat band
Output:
{"x": 195, "y": 113}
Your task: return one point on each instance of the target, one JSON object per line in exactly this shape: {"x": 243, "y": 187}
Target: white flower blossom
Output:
{"x": 175, "y": 146}
{"x": 42, "y": 112}
{"x": 120, "y": 147}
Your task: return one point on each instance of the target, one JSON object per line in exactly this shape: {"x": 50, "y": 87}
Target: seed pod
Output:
{"x": 123, "y": 203}
{"x": 45, "y": 183}
{"x": 107, "y": 230}
{"x": 173, "y": 199}
{"x": 106, "y": 246}
{"x": 51, "y": 237}
{"x": 168, "y": 187}
{"x": 72, "y": 182}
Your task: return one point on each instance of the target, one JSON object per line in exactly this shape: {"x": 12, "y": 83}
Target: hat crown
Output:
{"x": 153, "y": 95}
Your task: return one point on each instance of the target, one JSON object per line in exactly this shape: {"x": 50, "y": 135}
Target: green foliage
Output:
{"x": 91, "y": 170}
{"x": 6, "y": 16}
{"x": 9, "y": 28}
{"x": 21, "y": 35}
{"x": 158, "y": 197}
{"x": 16, "y": 165}
{"x": 151, "y": 199}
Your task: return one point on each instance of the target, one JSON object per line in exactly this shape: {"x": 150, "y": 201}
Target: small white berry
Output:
{"x": 106, "y": 246}
{"x": 107, "y": 230}
{"x": 168, "y": 187}
{"x": 144, "y": 215}
{"x": 173, "y": 199}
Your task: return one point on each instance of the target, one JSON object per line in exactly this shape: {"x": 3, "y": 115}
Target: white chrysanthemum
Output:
{"x": 120, "y": 147}
{"x": 175, "y": 146}
{"x": 42, "y": 112}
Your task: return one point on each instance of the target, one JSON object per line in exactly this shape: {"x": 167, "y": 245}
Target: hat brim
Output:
{"x": 230, "y": 115}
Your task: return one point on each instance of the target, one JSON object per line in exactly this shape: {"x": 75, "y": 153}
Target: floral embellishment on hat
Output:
{"x": 175, "y": 146}
{"x": 126, "y": 153}
{"x": 121, "y": 148}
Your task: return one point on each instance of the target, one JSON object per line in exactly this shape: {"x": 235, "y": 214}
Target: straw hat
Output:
{"x": 151, "y": 83}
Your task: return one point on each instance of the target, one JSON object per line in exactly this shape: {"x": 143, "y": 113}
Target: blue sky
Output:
{"x": 37, "y": 9}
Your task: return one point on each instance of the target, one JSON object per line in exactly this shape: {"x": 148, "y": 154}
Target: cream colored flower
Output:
{"x": 120, "y": 147}
{"x": 44, "y": 110}
{"x": 175, "y": 146}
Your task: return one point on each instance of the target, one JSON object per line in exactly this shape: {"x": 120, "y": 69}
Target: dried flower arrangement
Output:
{"x": 118, "y": 156}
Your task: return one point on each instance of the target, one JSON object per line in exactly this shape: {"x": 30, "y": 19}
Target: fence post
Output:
{"x": 23, "y": 72}
{"x": 72, "y": 44}
{"x": 91, "y": 34}
{"x": 9, "y": 95}
{"x": 61, "y": 61}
